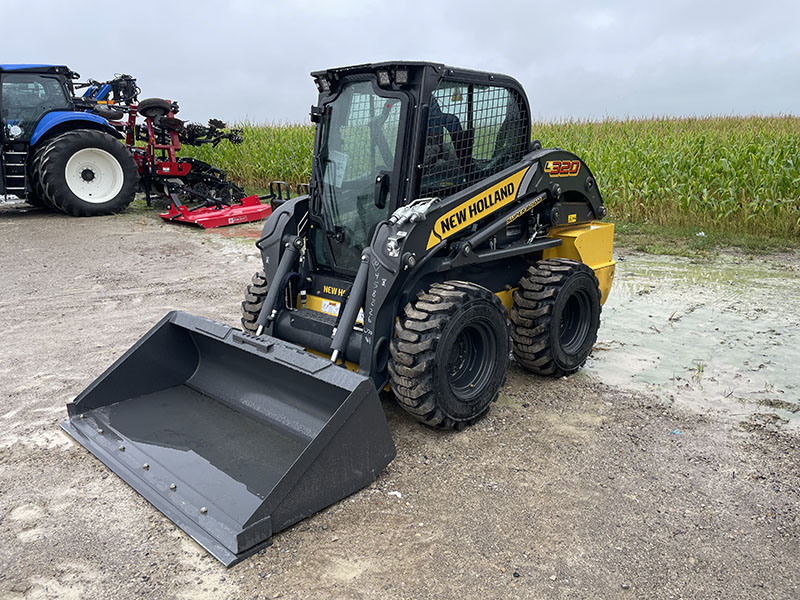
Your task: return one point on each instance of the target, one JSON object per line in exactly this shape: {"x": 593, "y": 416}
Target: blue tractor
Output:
{"x": 60, "y": 151}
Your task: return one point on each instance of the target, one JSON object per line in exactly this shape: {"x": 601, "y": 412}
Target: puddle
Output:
{"x": 722, "y": 334}
{"x": 244, "y": 231}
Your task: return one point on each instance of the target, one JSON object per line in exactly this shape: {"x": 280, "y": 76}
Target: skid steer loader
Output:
{"x": 435, "y": 241}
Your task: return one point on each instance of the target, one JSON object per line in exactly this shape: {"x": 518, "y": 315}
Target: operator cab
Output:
{"x": 27, "y": 93}
{"x": 389, "y": 133}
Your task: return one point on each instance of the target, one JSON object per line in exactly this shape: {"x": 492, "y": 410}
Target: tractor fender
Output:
{"x": 63, "y": 120}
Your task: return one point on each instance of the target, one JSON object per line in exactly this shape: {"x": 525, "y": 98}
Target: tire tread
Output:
{"x": 531, "y": 313}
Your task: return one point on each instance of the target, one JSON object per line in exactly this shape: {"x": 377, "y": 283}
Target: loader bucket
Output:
{"x": 232, "y": 437}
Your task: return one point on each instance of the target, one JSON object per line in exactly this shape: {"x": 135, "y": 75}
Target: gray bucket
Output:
{"x": 232, "y": 437}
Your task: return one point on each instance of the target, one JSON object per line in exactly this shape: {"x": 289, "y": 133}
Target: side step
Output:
{"x": 231, "y": 436}
{"x": 15, "y": 173}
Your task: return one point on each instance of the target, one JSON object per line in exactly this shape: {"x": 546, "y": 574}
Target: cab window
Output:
{"x": 474, "y": 131}
{"x": 25, "y": 99}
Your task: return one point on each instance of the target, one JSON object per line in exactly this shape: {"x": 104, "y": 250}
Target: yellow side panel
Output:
{"x": 591, "y": 244}
{"x": 506, "y": 297}
{"x": 325, "y": 306}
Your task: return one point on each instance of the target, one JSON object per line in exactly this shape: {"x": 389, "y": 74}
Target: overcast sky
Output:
{"x": 245, "y": 59}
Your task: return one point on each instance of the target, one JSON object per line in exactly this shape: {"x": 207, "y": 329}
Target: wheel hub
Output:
{"x": 470, "y": 358}
{"x": 574, "y": 326}
{"x": 94, "y": 175}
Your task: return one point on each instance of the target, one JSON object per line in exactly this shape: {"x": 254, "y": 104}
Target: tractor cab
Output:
{"x": 389, "y": 133}
{"x": 38, "y": 111}
{"x": 27, "y": 93}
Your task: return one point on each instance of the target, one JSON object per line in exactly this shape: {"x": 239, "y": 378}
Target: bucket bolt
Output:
{"x": 173, "y": 487}
{"x": 145, "y": 466}
{"x": 203, "y": 510}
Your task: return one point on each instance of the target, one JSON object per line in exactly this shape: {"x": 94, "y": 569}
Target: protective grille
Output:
{"x": 474, "y": 131}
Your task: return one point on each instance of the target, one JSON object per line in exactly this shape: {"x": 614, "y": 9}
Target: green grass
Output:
{"x": 677, "y": 240}
{"x": 731, "y": 177}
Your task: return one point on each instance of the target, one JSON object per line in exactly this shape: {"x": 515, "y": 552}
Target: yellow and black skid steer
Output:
{"x": 436, "y": 241}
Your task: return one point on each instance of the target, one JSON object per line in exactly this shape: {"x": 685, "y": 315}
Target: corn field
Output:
{"x": 730, "y": 174}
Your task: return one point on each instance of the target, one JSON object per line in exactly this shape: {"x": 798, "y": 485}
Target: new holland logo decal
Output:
{"x": 477, "y": 207}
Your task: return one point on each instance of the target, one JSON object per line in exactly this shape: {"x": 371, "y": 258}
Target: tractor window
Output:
{"x": 359, "y": 142}
{"x": 474, "y": 131}
{"x": 25, "y": 98}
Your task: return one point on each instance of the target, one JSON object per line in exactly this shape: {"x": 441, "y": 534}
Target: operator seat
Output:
{"x": 438, "y": 121}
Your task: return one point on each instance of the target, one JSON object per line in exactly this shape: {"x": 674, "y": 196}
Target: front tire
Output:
{"x": 555, "y": 317}
{"x": 86, "y": 173}
{"x": 449, "y": 359}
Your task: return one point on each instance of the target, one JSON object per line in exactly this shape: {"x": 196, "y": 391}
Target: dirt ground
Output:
{"x": 570, "y": 488}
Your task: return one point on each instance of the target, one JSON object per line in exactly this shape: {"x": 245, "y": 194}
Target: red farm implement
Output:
{"x": 213, "y": 200}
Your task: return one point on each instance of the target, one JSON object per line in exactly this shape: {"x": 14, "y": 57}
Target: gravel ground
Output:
{"x": 570, "y": 488}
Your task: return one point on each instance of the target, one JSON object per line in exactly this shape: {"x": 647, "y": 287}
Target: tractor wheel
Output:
{"x": 36, "y": 195}
{"x": 555, "y": 317}
{"x": 86, "y": 173}
{"x": 254, "y": 297}
{"x": 449, "y": 359}
{"x": 34, "y": 199}
{"x": 154, "y": 107}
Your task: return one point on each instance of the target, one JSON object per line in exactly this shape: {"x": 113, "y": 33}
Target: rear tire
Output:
{"x": 254, "y": 296}
{"x": 555, "y": 317}
{"x": 36, "y": 195}
{"x": 86, "y": 173}
{"x": 450, "y": 356}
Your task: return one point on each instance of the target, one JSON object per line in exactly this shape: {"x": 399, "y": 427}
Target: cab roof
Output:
{"x": 435, "y": 70}
{"x": 36, "y": 68}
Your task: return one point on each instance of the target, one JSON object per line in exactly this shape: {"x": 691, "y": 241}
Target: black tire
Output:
{"x": 450, "y": 356}
{"x": 86, "y": 173}
{"x": 34, "y": 200}
{"x": 36, "y": 195}
{"x": 111, "y": 113}
{"x": 555, "y": 317}
{"x": 154, "y": 107}
{"x": 254, "y": 296}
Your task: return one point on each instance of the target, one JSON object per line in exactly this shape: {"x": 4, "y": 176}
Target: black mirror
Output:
{"x": 381, "y": 188}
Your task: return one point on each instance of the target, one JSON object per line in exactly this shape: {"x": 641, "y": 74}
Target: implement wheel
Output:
{"x": 86, "y": 173}
{"x": 449, "y": 359}
{"x": 254, "y": 296}
{"x": 154, "y": 107}
{"x": 555, "y": 317}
